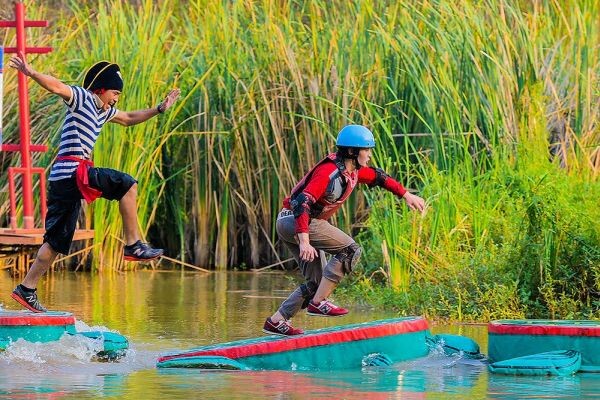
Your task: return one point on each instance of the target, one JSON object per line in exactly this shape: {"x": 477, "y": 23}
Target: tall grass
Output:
{"x": 500, "y": 93}
{"x": 140, "y": 40}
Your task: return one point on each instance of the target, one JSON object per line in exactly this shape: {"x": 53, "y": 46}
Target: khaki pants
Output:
{"x": 324, "y": 237}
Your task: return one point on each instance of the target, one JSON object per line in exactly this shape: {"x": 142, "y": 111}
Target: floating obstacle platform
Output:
{"x": 453, "y": 345}
{"x": 559, "y": 363}
{"x": 343, "y": 347}
{"x": 553, "y": 347}
{"x": 51, "y": 326}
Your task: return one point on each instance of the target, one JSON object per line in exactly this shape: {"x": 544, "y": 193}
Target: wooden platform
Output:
{"x": 18, "y": 246}
{"x": 34, "y": 237}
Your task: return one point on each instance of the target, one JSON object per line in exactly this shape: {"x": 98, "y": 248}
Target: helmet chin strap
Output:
{"x": 347, "y": 156}
{"x": 354, "y": 160}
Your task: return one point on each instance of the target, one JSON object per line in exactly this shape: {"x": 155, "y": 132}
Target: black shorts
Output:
{"x": 64, "y": 203}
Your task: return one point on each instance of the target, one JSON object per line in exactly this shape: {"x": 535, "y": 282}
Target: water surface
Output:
{"x": 161, "y": 312}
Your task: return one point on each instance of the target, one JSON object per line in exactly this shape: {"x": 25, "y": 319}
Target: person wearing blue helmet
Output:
{"x": 303, "y": 226}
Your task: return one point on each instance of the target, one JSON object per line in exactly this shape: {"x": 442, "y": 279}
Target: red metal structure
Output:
{"x": 25, "y": 147}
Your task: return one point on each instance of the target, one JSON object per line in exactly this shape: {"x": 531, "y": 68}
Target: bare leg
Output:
{"x": 128, "y": 210}
{"x": 277, "y": 317}
{"x": 44, "y": 259}
{"x": 325, "y": 289}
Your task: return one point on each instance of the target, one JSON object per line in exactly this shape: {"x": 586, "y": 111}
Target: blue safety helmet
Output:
{"x": 355, "y": 136}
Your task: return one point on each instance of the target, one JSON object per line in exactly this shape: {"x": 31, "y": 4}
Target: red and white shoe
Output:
{"x": 325, "y": 309}
{"x": 283, "y": 328}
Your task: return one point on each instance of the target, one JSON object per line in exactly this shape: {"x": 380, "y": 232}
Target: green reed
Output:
{"x": 472, "y": 105}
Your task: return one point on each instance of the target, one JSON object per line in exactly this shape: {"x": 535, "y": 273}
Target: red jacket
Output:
{"x": 324, "y": 189}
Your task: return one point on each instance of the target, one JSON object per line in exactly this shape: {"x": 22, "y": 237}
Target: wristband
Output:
{"x": 159, "y": 110}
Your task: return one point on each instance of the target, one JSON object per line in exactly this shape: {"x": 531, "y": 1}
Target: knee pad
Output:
{"x": 342, "y": 263}
{"x": 349, "y": 257}
{"x": 334, "y": 270}
{"x": 308, "y": 292}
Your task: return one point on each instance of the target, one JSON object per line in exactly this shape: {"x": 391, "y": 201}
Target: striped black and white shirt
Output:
{"x": 80, "y": 131}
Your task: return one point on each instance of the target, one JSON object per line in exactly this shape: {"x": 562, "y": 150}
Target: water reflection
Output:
{"x": 167, "y": 311}
{"x": 578, "y": 386}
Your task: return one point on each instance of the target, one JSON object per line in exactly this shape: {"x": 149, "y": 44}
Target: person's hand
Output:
{"x": 19, "y": 63}
{"x": 414, "y": 202}
{"x": 307, "y": 252}
{"x": 169, "y": 100}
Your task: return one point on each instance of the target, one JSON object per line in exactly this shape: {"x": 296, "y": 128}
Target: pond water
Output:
{"x": 164, "y": 311}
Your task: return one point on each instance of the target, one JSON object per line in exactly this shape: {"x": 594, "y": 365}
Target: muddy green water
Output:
{"x": 165, "y": 311}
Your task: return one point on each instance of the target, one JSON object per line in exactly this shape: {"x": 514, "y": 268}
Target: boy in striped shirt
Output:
{"x": 73, "y": 176}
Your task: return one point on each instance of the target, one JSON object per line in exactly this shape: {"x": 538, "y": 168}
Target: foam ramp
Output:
{"x": 342, "y": 347}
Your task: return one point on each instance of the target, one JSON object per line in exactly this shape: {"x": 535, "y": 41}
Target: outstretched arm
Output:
{"x": 377, "y": 177}
{"x": 48, "y": 82}
{"x": 128, "y": 118}
{"x": 414, "y": 202}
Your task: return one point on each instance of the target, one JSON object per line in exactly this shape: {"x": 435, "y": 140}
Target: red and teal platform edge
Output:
{"x": 51, "y": 326}
{"x": 40, "y": 327}
{"x": 342, "y": 347}
{"x": 509, "y": 339}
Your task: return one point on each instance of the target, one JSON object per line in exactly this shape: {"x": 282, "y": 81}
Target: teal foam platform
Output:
{"x": 342, "y": 347}
{"x": 556, "y": 363}
{"x": 509, "y": 339}
{"x": 51, "y": 326}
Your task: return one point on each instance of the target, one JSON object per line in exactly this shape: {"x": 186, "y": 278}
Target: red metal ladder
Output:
{"x": 27, "y": 170}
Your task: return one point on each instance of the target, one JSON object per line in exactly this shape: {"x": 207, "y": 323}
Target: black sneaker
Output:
{"x": 140, "y": 251}
{"x": 28, "y": 299}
